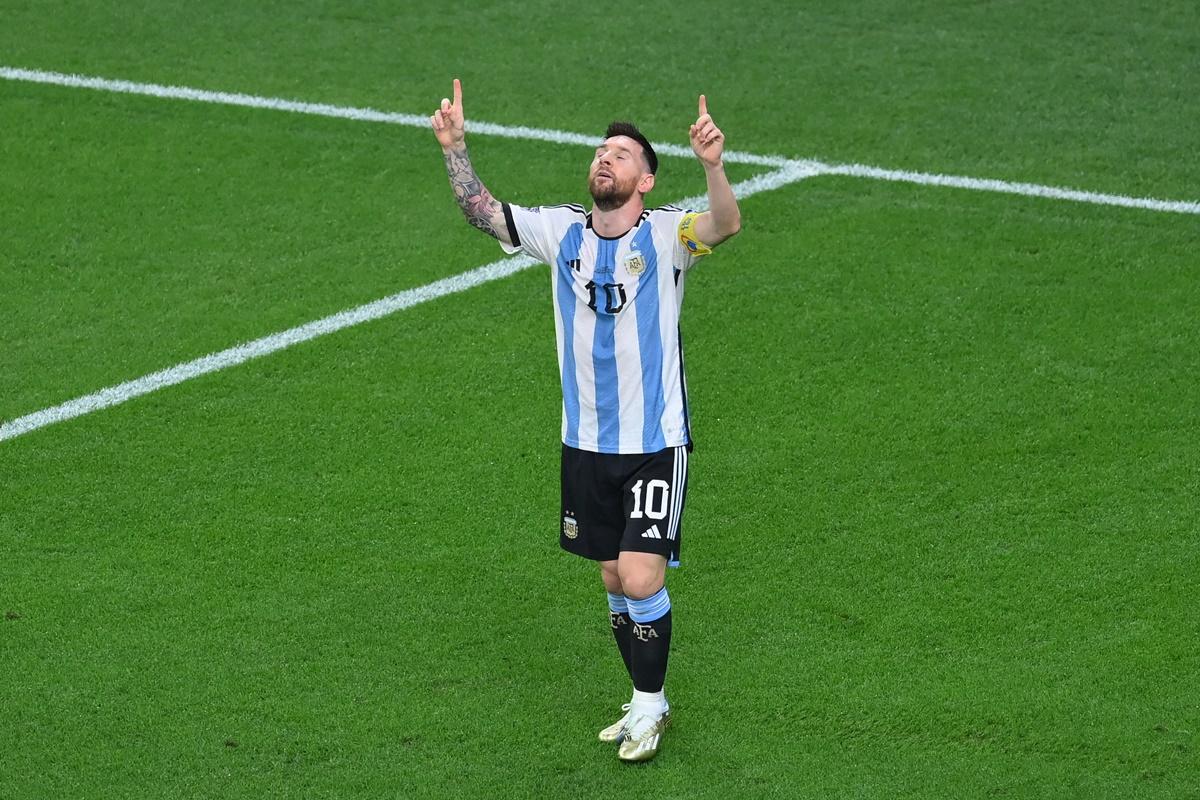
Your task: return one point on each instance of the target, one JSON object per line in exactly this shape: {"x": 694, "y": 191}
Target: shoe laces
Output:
{"x": 625, "y": 719}
{"x": 643, "y": 726}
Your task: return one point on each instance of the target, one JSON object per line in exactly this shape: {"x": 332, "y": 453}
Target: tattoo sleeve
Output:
{"x": 477, "y": 204}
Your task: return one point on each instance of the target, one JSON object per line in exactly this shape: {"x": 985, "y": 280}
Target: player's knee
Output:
{"x": 640, "y": 584}
{"x": 612, "y": 579}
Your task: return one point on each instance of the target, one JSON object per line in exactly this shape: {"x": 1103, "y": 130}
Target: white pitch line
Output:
{"x": 114, "y": 395}
{"x": 342, "y": 112}
{"x": 787, "y": 171}
{"x": 1007, "y": 187}
{"x": 567, "y": 137}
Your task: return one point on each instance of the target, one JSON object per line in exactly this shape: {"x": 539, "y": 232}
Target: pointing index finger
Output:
{"x": 457, "y": 93}
{"x": 703, "y": 106}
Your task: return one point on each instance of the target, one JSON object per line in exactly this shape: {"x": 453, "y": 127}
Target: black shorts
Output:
{"x": 615, "y": 502}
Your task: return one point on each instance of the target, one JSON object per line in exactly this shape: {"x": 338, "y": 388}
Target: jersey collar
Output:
{"x": 637, "y": 224}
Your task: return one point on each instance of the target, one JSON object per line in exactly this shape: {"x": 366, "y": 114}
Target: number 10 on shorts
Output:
{"x": 657, "y": 494}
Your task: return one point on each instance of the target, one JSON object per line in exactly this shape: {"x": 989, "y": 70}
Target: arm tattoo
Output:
{"x": 476, "y": 202}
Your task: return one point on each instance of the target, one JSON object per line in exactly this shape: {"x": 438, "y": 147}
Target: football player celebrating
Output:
{"x": 616, "y": 279}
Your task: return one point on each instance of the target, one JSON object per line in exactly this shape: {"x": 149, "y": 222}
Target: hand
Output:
{"x": 448, "y": 123}
{"x": 708, "y": 143}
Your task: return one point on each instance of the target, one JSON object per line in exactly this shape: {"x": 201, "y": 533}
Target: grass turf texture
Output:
{"x": 941, "y": 529}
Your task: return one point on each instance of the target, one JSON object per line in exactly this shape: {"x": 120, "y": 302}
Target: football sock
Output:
{"x": 622, "y": 628}
{"x": 649, "y": 703}
{"x": 651, "y": 641}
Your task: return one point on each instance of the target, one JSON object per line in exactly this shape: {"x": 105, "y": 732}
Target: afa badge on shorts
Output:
{"x": 570, "y": 527}
{"x": 635, "y": 263}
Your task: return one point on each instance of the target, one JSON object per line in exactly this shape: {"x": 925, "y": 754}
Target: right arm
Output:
{"x": 478, "y": 206}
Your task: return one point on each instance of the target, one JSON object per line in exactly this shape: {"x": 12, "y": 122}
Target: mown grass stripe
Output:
{"x": 120, "y": 393}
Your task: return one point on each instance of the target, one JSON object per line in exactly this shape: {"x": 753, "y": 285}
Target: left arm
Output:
{"x": 722, "y": 219}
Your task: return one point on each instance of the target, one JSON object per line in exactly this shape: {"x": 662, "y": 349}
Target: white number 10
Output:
{"x": 657, "y": 492}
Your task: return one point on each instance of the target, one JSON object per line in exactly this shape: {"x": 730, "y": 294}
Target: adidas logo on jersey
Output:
{"x": 652, "y": 533}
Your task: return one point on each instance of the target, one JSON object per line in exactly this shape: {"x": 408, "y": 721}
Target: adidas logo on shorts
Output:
{"x": 652, "y": 533}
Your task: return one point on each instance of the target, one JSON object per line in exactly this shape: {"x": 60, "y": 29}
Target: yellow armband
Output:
{"x": 687, "y": 235}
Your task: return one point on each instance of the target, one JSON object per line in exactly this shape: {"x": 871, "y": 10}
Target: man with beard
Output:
{"x": 617, "y": 277}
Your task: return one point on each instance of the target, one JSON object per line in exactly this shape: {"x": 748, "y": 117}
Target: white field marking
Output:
{"x": 1006, "y": 187}
{"x": 344, "y": 112}
{"x": 566, "y": 137}
{"x": 114, "y": 395}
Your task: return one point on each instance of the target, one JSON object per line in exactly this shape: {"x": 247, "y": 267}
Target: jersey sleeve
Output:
{"x": 530, "y": 230}
{"x": 688, "y": 248}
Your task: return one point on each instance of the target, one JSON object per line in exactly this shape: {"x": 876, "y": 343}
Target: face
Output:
{"x": 617, "y": 172}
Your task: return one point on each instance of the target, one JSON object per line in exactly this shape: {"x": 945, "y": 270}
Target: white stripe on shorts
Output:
{"x": 678, "y": 478}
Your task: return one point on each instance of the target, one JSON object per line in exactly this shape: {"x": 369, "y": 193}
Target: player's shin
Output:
{"x": 650, "y": 645}
{"x": 622, "y": 627}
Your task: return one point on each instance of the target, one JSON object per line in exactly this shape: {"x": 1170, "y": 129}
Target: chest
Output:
{"x": 610, "y": 274}
{"x": 628, "y": 259}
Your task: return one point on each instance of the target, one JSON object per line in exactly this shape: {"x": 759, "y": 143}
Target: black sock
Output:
{"x": 622, "y": 628}
{"x": 651, "y": 641}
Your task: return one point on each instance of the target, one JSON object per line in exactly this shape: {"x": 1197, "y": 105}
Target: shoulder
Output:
{"x": 564, "y": 210}
{"x": 560, "y": 210}
{"x": 679, "y": 227}
{"x": 668, "y": 215}
{"x": 561, "y": 215}
{"x": 550, "y": 220}
{"x": 667, "y": 219}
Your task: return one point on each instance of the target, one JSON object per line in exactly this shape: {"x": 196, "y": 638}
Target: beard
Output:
{"x": 608, "y": 194}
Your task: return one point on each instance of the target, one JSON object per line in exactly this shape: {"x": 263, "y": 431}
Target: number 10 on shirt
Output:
{"x": 611, "y": 304}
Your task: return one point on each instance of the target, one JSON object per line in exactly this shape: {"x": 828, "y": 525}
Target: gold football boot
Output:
{"x": 613, "y": 732}
{"x": 642, "y": 737}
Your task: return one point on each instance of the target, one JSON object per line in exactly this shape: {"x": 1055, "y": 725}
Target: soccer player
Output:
{"x": 617, "y": 277}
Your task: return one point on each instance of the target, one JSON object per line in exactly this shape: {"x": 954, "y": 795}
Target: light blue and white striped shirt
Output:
{"x": 616, "y": 303}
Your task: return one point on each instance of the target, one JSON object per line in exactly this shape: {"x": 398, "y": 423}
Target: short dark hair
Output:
{"x": 630, "y": 130}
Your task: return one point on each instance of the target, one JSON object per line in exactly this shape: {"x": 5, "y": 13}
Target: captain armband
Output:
{"x": 687, "y": 235}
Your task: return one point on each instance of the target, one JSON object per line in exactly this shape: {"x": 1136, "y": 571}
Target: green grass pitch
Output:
{"x": 942, "y": 533}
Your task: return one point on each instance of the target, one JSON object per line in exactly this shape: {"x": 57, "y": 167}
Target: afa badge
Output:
{"x": 635, "y": 263}
{"x": 687, "y": 236}
{"x": 570, "y": 527}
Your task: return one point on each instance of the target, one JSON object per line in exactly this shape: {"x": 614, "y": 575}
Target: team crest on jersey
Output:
{"x": 570, "y": 527}
{"x": 635, "y": 263}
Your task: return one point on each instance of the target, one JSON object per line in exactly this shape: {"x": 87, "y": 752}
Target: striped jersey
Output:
{"x": 616, "y": 316}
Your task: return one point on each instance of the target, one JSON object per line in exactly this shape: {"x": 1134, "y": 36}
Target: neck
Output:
{"x": 615, "y": 222}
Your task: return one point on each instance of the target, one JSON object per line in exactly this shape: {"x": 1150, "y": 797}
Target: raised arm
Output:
{"x": 722, "y": 219}
{"x": 477, "y": 204}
